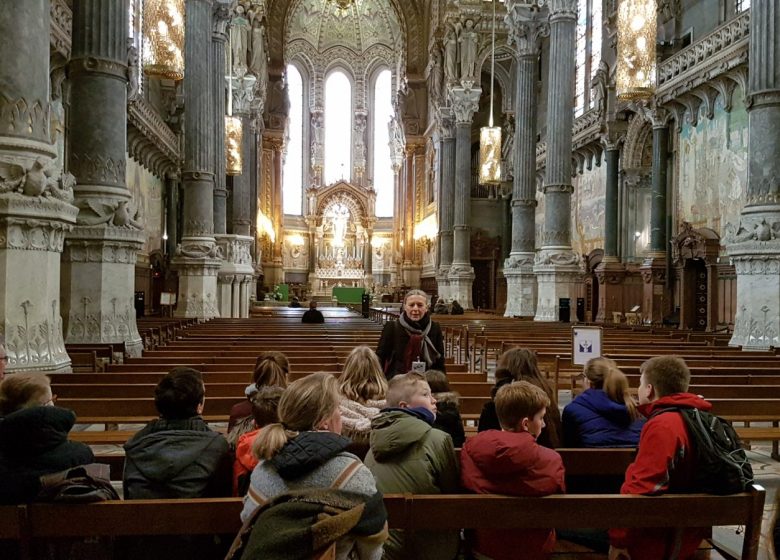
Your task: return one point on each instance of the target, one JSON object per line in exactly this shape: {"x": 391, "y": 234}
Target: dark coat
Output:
{"x": 34, "y": 442}
{"x": 592, "y": 419}
{"x": 177, "y": 459}
{"x": 392, "y": 347}
{"x": 448, "y": 417}
{"x": 313, "y": 316}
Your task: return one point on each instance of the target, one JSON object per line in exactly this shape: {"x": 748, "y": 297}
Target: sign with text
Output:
{"x": 168, "y": 298}
{"x": 585, "y": 344}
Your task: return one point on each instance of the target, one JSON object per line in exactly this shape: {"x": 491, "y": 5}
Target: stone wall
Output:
{"x": 587, "y": 209}
{"x": 147, "y": 192}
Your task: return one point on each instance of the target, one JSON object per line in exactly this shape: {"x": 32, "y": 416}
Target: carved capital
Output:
{"x": 562, "y": 9}
{"x": 526, "y": 29}
{"x": 564, "y": 189}
{"x": 465, "y": 102}
{"x": 24, "y": 118}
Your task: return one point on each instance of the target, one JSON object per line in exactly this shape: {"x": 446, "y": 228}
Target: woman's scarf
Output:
{"x": 420, "y": 345}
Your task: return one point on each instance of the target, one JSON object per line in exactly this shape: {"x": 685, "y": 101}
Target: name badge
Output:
{"x": 418, "y": 367}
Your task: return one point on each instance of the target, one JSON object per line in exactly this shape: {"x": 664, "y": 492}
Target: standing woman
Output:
{"x": 414, "y": 337}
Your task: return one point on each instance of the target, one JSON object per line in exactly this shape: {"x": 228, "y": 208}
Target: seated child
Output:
{"x": 447, "y": 407}
{"x": 265, "y": 404}
{"x": 408, "y": 455}
{"x": 511, "y": 462}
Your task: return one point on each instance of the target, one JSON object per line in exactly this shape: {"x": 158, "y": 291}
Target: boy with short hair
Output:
{"x": 665, "y": 461}
{"x": 511, "y": 462}
{"x": 408, "y": 455}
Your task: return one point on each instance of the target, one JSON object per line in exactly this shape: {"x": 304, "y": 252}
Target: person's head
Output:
{"x": 180, "y": 394}
{"x": 603, "y": 374}
{"x": 265, "y": 405}
{"x": 24, "y": 390}
{"x": 363, "y": 379}
{"x": 519, "y": 364}
{"x": 415, "y": 304}
{"x": 437, "y": 381}
{"x": 410, "y": 390}
{"x": 271, "y": 369}
{"x": 3, "y": 357}
{"x": 312, "y": 304}
{"x": 662, "y": 376}
{"x": 520, "y": 407}
{"x": 309, "y": 403}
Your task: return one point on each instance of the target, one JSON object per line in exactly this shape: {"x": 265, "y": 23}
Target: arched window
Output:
{"x": 588, "y": 53}
{"x": 383, "y": 170}
{"x": 338, "y": 128}
{"x": 292, "y": 174}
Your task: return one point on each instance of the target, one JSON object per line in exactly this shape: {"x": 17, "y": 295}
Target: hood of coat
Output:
{"x": 497, "y": 453}
{"x": 599, "y": 402}
{"x": 685, "y": 400}
{"x": 307, "y": 451}
{"x": 357, "y": 416}
{"x": 394, "y": 431}
{"x": 244, "y": 455}
{"x": 34, "y": 430}
{"x": 449, "y": 398}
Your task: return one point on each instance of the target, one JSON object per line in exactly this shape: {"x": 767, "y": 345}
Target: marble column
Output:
{"x": 98, "y": 263}
{"x": 610, "y": 273}
{"x": 755, "y": 246}
{"x": 218, "y": 41}
{"x": 198, "y": 257}
{"x": 657, "y": 299}
{"x": 172, "y": 195}
{"x": 556, "y": 266}
{"x": 415, "y": 157}
{"x": 526, "y": 31}
{"x": 368, "y": 261}
{"x": 446, "y": 199}
{"x": 35, "y": 209}
{"x": 465, "y": 102}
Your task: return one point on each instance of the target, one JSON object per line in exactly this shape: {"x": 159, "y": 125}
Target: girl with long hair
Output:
{"x": 363, "y": 387}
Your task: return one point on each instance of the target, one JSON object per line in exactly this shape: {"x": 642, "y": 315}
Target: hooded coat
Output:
{"x": 664, "y": 464}
{"x": 408, "y": 455}
{"x": 177, "y": 459}
{"x": 34, "y": 442}
{"x": 356, "y": 422}
{"x": 512, "y": 463}
{"x": 448, "y": 417}
{"x": 592, "y": 419}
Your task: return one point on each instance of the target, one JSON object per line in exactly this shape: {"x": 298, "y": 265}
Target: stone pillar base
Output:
{"x": 32, "y": 232}
{"x": 557, "y": 273}
{"x": 198, "y": 262}
{"x": 656, "y": 302}
{"x": 757, "y": 323}
{"x": 461, "y": 279}
{"x": 411, "y": 274}
{"x": 610, "y": 275}
{"x": 236, "y": 270}
{"x": 520, "y": 285}
{"x": 443, "y": 283}
{"x": 98, "y": 282}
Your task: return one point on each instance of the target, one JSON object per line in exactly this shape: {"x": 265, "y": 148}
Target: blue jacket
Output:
{"x": 592, "y": 419}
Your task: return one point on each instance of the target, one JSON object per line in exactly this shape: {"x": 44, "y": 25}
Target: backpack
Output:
{"x": 722, "y": 466}
{"x": 78, "y": 485}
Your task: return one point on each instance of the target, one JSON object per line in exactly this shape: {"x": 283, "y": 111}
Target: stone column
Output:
{"x": 415, "y": 156}
{"x": 755, "y": 247}
{"x": 98, "y": 264}
{"x": 655, "y": 272}
{"x": 218, "y": 41}
{"x": 446, "y": 199}
{"x": 368, "y": 262}
{"x": 172, "y": 212}
{"x": 35, "y": 209}
{"x": 556, "y": 265}
{"x": 465, "y": 102}
{"x": 610, "y": 273}
{"x": 526, "y": 31}
{"x": 197, "y": 258}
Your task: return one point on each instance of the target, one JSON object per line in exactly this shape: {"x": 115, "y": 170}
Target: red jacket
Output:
{"x": 245, "y": 461}
{"x": 497, "y": 462}
{"x": 664, "y": 463}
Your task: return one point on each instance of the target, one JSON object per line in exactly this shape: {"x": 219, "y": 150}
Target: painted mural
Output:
{"x": 587, "y": 209}
{"x": 148, "y": 198}
{"x": 713, "y": 167}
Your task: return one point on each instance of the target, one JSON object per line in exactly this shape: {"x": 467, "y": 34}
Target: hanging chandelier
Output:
{"x": 163, "y": 38}
{"x": 636, "y": 38}
{"x": 490, "y": 136}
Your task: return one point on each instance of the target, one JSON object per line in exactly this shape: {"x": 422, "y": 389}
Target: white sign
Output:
{"x": 585, "y": 344}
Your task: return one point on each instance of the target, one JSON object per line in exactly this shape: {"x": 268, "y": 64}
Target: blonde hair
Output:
{"x": 362, "y": 379}
{"x": 22, "y": 390}
{"x": 306, "y": 403}
{"x": 519, "y": 400}
{"x": 403, "y": 387}
{"x": 271, "y": 369}
{"x": 603, "y": 374}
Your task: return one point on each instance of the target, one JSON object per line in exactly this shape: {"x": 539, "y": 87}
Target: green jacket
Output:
{"x": 408, "y": 455}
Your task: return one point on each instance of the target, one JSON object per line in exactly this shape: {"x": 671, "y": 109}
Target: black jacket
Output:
{"x": 313, "y": 316}
{"x": 177, "y": 459}
{"x": 448, "y": 417}
{"x": 392, "y": 346}
{"x": 34, "y": 442}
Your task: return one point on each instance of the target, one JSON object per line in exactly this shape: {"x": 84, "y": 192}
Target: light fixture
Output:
{"x": 295, "y": 240}
{"x": 265, "y": 226}
{"x": 378, "y": 242}
{"x": 636, "y": 38}
{"x": 426, "y": 230}
{"x": 163, "y": 38}
{"x": 490, "y": 136}
{"x": 234, "y": 129}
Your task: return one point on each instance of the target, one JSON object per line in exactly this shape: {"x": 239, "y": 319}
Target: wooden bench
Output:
{"x": 35, "y": 522}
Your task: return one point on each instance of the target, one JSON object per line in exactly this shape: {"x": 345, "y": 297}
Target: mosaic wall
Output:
{"x": 587, "y": 209}
{"x": 148, "y": 198}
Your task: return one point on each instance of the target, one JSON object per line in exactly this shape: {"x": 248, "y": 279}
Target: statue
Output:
{"x": 133, "y": 72}
{"x": 468, "y": 50}
{"x": 257, "y": 57}
{"x": 239, "y": 42}
{"x": 435, "y": 76}
{"x": 451, "y": 56}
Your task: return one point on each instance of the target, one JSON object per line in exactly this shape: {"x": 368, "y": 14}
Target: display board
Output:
{"x": 585, "y": 344}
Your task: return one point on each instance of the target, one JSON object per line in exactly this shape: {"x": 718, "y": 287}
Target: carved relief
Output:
{"x": 42, "y": 178}
{"x": 116, "y": 323}
{"x": 96, "y": 169}
{"x": 33, "y": 235}
{"x": 26, "y": 118}
{"x": 36, "y": 343}
{"x": 96, "y": 211}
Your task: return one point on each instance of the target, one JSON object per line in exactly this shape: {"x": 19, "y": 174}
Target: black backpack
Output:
{"x": 722, "y": 466}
